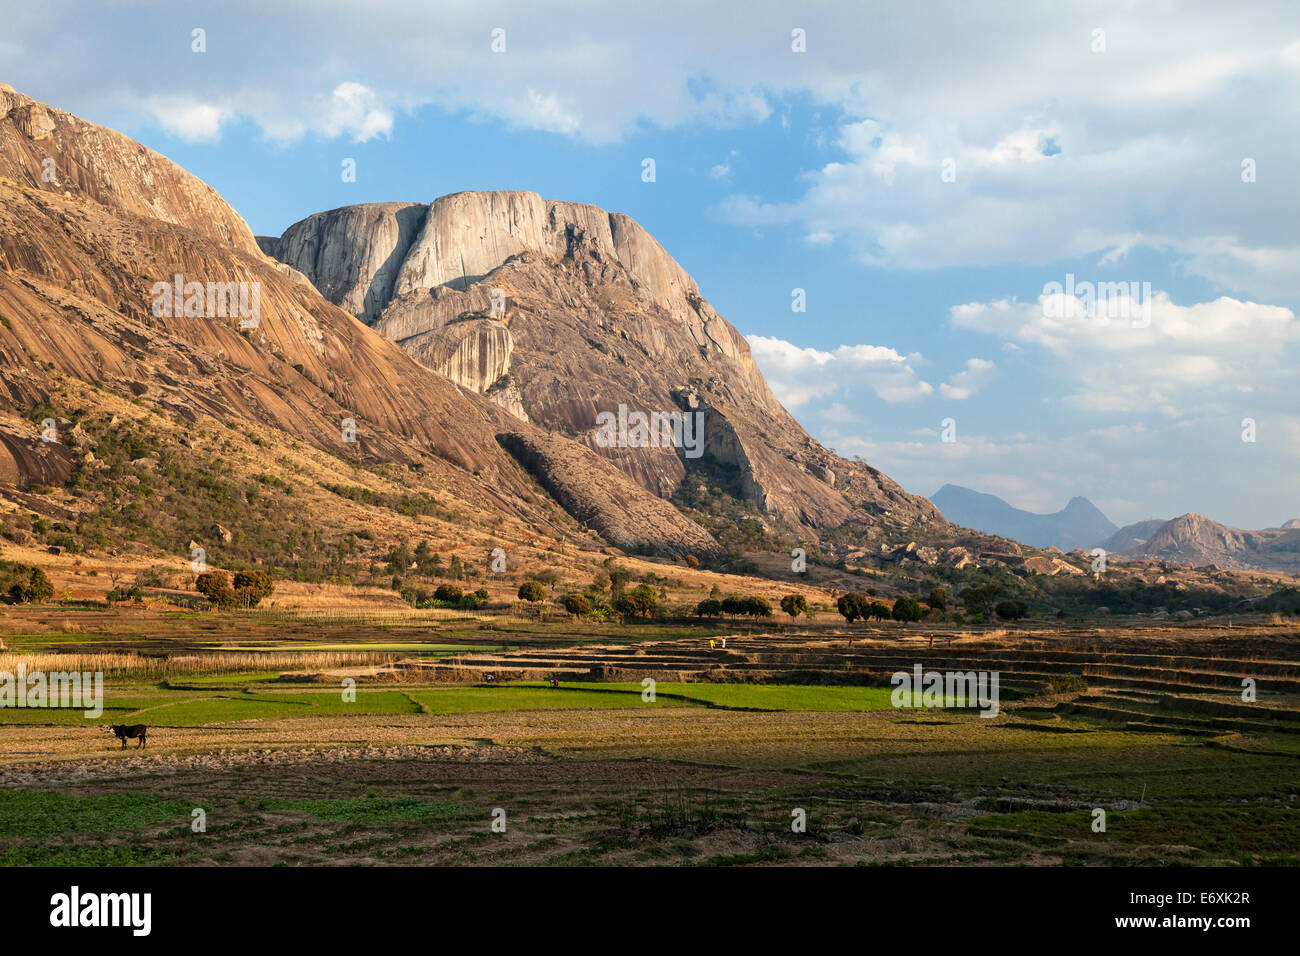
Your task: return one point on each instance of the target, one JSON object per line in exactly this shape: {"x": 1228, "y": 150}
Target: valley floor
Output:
{"x": 736, "y": 747}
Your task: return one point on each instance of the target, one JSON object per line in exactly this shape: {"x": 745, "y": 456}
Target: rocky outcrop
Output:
{"x": 77, "y": 301}
{"x": 352, "y": 254}
{"x": 26, "y": 460}
{"x": 1192, "y": 539}
{"x": 601, "y": 497}
{"x": 47, "y": 149}
{"x": 474, "y": 353}
{"x": 600, "y": 317}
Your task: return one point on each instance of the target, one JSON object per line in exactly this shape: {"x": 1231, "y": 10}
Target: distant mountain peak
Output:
{"x": 1080, "y": 524}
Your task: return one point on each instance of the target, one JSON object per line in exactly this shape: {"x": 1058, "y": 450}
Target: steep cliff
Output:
{"x": 601, "y": 318}
{"x": 89, "y": 291}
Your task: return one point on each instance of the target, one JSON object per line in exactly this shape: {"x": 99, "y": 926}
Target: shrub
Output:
{"x": 1066, "y": 684}
{"x": 449, "y": 593}
{"x": 532, "y": 592}
{"x": 120, "y": 594}
{"x": 576, "y": 605}
{"x": 938, "y": 599}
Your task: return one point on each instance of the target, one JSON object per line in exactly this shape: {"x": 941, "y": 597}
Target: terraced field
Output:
{"x": 1149, "y": 726}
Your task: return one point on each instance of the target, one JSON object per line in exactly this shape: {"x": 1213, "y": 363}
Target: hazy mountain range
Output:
{"x": 1187, "y": 539}
{"x": 1080, "y": 524}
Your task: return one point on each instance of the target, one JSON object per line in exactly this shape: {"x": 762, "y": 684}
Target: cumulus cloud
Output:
{"x": 799, "y": 375}
{"x": 1140, "y": 352}
{"x": 977, "y": 373}
{"x": 187, "y": 118}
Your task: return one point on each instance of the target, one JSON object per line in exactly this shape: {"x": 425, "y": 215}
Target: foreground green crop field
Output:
{"x": 281, "y": 766}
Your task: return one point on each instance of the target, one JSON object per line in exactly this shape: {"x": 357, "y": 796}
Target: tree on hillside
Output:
{"x": 448, "y": 592}
{"x": 251, "y": 586}
{"x": 709, "y": 607}
{"x": 938, "y": 599}
{"x": 979, "y": 599}
{"x": 756, "y": 607}
{"x": 852, "y": 606}
{"x": 399, "y": 558}
{"x": 426, "y": 562}
{"x": 1011, "y": 610}
{"x": 906, "y": 609}
{"x": 618, "y": 579}
{"x": 794, "y": 604}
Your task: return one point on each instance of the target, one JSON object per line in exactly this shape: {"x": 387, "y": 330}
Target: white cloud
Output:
{"x": 720, "y": 172}
{"x": 187, "y": 118}
{"x": 978, "y": 373}
{"x": 799, "y": 375}
{"x": 354, "y": 110}
{"x": 1161, "y": 355}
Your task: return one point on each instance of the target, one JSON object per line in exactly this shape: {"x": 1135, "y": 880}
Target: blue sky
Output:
{"x": 922, "y": 173}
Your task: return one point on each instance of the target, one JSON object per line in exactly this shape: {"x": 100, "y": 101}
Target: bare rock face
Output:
{"x": 600, "y": 317}
{"x": 352, "y": 254}
{"x": 50, "y": 150}
{"x": 76, "y": 297}
{"x": 601, "y": 497}
{"x": 26, "y": 460}
{"x": 474, "y": 353}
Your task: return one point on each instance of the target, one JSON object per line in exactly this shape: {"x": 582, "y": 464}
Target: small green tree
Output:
{"x": 449, "y": 593}
{"x": 576, "y": 605}
{"x": 879, "y": 610}
{"x": 532, "y": 592}
{"x": 852, "y": 606}
{"x": 906, "y": 609}
{"x": 794, "y": 604}
{"x": 644, "y": 598}
{"x": 938, "y": 599}
{"x": 1011, "y": 610}
{"x": 709, "y": 607}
